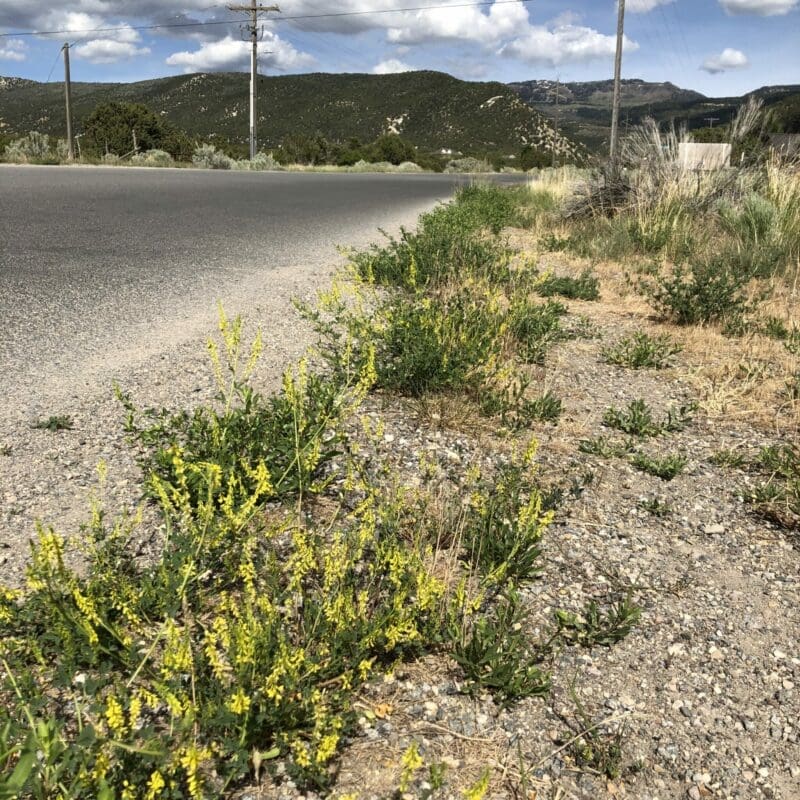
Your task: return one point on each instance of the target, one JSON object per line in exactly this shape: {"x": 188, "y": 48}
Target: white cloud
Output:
{"x": 460, "y": 24}
{"x": 391, "y": 65}
{"x": 764, "y": 8}
{"x": 108, "y": 51}
{"x": 13, "y": 50}
{"x": 726, "y": 60}
{"x": 234, "y": 54}
{"x": 563, "y": 43}
{"x": 645, "y": 6}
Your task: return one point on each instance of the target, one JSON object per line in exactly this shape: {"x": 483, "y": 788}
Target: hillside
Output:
{"x": 432, "y": 110}
{"x": 585, "y": 108}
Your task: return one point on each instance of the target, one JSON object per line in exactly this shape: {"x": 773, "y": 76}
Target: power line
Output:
{"x": 209, "y": 23}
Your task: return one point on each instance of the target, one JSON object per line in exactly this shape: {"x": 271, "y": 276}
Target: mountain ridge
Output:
{"x": 433, "y": 110}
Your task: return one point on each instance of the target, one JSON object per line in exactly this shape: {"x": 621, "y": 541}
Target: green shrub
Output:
{"x": 536, "y": 327}
{"x": 123, "y": 128}
{"x": 440, "y": 343}
{"x": 153, "y": 158}
{"x": 709, "y": 291}
{"x": 206, "y": 156}
{"x": 33, "y": 148}
{"x": 753, "y": 226}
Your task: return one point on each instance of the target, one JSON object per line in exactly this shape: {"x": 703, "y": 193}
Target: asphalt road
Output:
{"x": 98, "y": 265}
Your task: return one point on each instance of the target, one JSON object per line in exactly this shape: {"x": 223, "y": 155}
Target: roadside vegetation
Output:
{"x": 299, "y": 563}
{"x": 118, "y": 134}
{"x": 293, "y": 569}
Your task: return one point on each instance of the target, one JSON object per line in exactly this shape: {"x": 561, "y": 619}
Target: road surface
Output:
{"x": 101, "y": 267}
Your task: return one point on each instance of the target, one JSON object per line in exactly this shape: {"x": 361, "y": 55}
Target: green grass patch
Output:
{"x": 585, "y": 287}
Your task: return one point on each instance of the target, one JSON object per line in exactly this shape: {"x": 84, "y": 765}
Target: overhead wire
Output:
{"x": 293, "y": 18}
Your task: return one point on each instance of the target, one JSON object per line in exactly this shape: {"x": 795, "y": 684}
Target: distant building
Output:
{"x": 702, "y": 156}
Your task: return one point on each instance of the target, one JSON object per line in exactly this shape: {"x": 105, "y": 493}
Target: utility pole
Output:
{"x": 617, "y": 81}
{"x": 711, "y": 121}
{"x": 555, "y": 143}
{"x": 68, "y": 96}
{"x": 254, "y": 9}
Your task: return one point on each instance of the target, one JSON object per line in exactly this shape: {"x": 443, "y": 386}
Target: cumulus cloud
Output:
{"x": 234, "y": 54}
{"x": 390, "y": 66}
{"x": 13, "y": 50}
{"x": 462, "y": 24}
{"x": 504, "y": 28}
{"x": 645, "y": 6}
{"x": 764, "y": 8}
{"x": 108, "y": 51}
{"x": 726, "y": 60}
{"x": 560, "y": 44}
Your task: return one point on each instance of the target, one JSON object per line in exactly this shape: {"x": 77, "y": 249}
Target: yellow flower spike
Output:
{"x": 134, "y": 711}
{"x": 478, "y": 790}
{"x": 239, "y": 703}
{"x": 115, "y": 716}
{"x": 410, "y": 762}
{"x": 155, "y": 786}
{"x": 191, "y": 759}
{"x": 256, "y": 349}
{"x": 365, "y": 668}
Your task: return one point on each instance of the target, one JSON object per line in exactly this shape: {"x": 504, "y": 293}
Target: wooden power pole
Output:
{"x": 555, "y": 143}
{"x": 617, "y": 82}
{"x": 254, "y": 9}
{"x": 68, "y": 97}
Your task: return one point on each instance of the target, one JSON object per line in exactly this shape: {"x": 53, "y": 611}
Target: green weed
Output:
{"x": 596, "y": 626}
{"x": 502, "y": 534}
{"x": 604, "y": 447}
{"x": 54, "y": 423}
{"x": 496, "y": 654}
{"x": 729, "y": 458}
{"x": 665, "y": 468}
{"x": 596, "y": 745}
{"x": 778, "y": 496}
{"x": 642, "y": 350}
{"x": 584, "y": 287}
{"x": 638, "y": 419}
{"x": 448, "y": 243}
{"x": 656, "y": 507}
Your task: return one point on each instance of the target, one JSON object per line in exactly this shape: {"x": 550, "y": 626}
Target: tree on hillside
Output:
{"x": 123, "y": 128}
{"x": 392, "y": 148}
{"x": 533, "y": 158}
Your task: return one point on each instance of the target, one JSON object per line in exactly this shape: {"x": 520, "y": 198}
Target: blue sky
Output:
{"x": 718, "y": 47}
